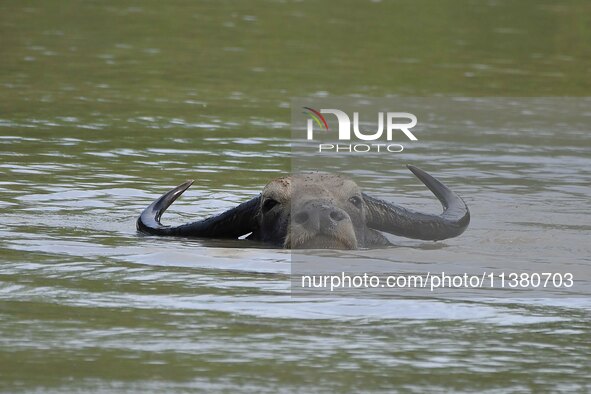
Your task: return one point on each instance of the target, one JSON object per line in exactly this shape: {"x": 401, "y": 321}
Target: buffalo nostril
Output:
{"x": 337, "y": 216}
{"x": 301, "y": 218}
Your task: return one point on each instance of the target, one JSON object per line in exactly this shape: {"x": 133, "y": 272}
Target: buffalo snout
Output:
{"x": 318, "y": 216}
{"x": 319, "y": 223}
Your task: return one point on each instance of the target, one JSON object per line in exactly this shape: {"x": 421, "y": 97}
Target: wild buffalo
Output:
{"x": 317, "y": 210}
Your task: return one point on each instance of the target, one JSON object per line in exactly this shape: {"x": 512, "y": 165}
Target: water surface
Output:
{"x": 105, "y": 106}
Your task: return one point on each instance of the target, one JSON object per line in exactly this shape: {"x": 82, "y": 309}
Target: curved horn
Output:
{"x": 233, "y": 223}
{"x": 390, "y": 218}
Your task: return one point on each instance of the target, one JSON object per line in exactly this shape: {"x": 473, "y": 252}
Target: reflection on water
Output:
{"x": 105, "y": 106}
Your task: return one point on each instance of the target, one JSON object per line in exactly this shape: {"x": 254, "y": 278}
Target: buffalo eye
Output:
{"x": 268, "y": 204}
{"x": 355, "y": 200}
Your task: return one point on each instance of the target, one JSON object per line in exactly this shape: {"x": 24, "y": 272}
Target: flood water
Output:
{"x": 106, "y": 105}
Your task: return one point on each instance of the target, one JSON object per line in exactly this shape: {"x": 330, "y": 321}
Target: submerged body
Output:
{"x": 318, "y": 210}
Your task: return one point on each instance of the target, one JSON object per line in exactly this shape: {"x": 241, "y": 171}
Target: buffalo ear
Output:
{"x": 233, "y": 223}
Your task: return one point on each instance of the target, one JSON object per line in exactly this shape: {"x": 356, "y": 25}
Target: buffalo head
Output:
{"x": 318, "y": 210}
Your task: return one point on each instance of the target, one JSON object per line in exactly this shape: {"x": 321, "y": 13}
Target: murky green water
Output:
{"x": 105, "y": 105}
